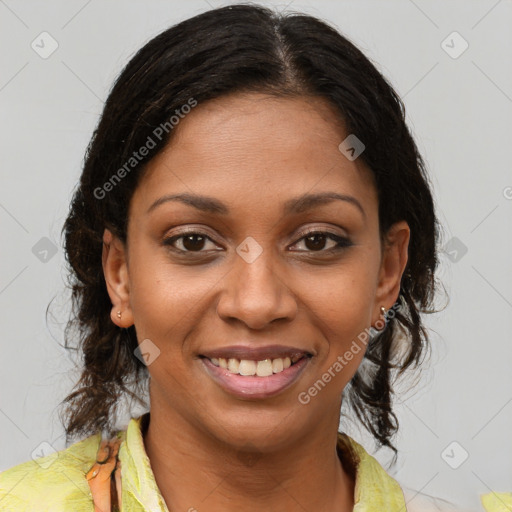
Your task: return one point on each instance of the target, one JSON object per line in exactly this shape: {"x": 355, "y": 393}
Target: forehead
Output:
{"x": 255, "y": 146}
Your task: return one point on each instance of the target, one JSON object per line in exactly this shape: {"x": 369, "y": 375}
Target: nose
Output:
{"x": 257, "y": 292}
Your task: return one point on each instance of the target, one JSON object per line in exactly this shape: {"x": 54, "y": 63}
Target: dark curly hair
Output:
{"x": 236, "y": 49}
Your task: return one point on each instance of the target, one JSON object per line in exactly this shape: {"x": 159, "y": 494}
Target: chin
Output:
{"x": 257, "y": 430}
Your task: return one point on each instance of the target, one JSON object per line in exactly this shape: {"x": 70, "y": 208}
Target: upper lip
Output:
{"x": 255, "y": 353}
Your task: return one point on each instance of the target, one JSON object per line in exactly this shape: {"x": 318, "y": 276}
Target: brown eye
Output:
{"x": 193, "y": 242}
{"x": 315, "y": 241}
{"x": 189, "y": 242}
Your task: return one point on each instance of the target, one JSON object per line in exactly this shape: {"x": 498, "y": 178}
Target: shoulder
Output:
{"x": 497, "y": 501}
{"x": 419, "y": 502}
{"x": 54, "y": 482}
{"x": 374, "y": 488}
{"x": 377, "y": 489}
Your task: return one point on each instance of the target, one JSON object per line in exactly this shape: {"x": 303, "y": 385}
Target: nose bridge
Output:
{"x": 254, "y": 290}
{"x": 255, "y": 268}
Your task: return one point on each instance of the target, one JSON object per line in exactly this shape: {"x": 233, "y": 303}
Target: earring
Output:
{"x": 373, "y": 330}
{"x": 119, "y": 314}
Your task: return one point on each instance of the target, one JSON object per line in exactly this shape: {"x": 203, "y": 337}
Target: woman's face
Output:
{"x": 237, "y": 276}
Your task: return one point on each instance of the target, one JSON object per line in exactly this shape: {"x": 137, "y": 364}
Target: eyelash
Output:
{"x": 341, "y": 242}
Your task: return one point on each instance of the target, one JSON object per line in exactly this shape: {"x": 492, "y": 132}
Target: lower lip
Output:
{"x": 253, "y": 386}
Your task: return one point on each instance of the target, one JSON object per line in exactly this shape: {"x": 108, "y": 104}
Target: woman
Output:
{"x": 254, "y": 237}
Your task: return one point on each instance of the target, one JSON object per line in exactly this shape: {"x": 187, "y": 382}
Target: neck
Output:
{"x": 194, "y": 471}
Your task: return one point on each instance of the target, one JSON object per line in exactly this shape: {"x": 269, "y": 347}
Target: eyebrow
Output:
{"x": 298, "y": 204}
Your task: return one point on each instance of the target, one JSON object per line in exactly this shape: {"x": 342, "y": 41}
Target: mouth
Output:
{"x": 262, "y": 368}
{"x": 256, "y": 373}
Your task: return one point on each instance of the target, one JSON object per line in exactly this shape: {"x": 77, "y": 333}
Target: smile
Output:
{"x": 251, "y": 379}
{"x": 262, "y": 368}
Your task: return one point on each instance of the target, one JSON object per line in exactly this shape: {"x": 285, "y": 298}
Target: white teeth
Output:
{"x": 262, "y": 368}
{"x": 277, "y": 365}
{"x": 233, "y": 365}
{"x": 247, "y": 367}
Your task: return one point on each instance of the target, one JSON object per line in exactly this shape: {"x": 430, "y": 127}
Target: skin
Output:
{"x": 252, "y": 152}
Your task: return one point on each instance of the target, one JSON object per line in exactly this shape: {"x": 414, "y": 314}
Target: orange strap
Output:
{"x": 104, "y": 478}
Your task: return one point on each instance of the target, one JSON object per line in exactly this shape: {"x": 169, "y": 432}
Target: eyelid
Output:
{"x": 202, "y": 230}
{"x": 317, "y": 229}
{"x": 169, "y": 240}
{"x": 342, "y": 241}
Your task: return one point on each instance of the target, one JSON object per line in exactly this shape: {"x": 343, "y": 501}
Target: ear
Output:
{"x": 115, "y": 270}
{"x": 393, "y": 262}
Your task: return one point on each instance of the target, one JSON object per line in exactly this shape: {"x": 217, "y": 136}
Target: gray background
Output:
{"x": 459, "y": 108}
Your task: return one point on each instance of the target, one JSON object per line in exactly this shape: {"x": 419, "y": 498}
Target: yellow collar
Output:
{"x": 375, "y": 490}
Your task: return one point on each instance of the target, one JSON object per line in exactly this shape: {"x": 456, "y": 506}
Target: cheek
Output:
{"x": 347, "y": 341}
{"x": 341, "y": 300}
{"x": 341, "y": 307}
{"x": 164, "y": 295}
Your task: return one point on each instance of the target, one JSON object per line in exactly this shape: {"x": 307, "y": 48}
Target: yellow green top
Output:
{"x": 57, "y": 481}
